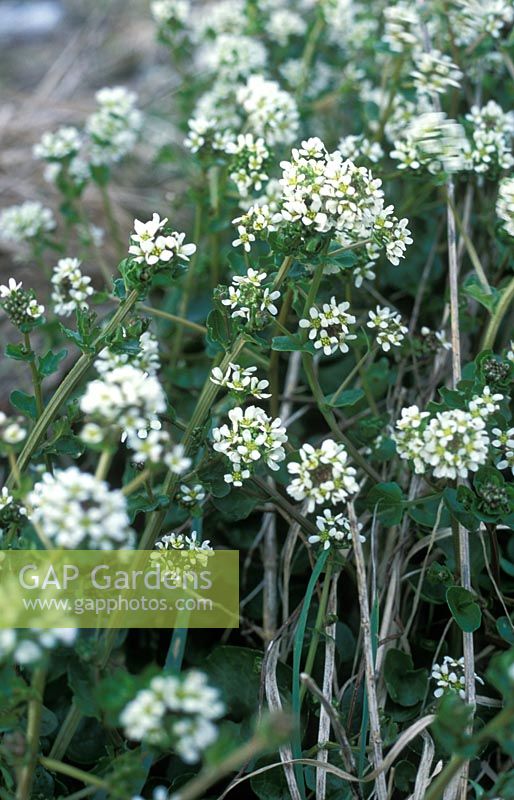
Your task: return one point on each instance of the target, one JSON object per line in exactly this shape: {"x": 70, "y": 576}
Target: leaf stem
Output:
{"x": 34, "y": 714}
{"x": 504, "y": 303}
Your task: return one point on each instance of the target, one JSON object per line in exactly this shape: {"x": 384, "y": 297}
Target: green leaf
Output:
{"x": 406, "y": 686}
{"x": 291, "y": 344}
{"x": 452, "y": 722}
{"x": 347, "y": 398}
{"x": 18, "y": 353}
{"x": 238, "y": 504}
{"x": 26, "y": 403}
{"x": 219, "y": 329}
{"x": 387, "y": 498}
{"x": 504, "y": 628}
{"x": 49, "y": 363}
{"x": 82, "y": 682}
{"x": 473, "y": 288}
{"x": 465, "y": 611}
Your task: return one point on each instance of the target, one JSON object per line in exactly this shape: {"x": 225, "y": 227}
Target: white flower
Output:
{"x": 390, "y": 331}
{"x": 241, "y": 380}
{"x": 451, "y": 443}
{"x": 175, "y": 711}
{"x": 176, "y": 460}
{"x": 146, "y": 359}
{"x": 25, "y": 222}
{"x": 450, "y": 677}
{"x": 435, "y": 72}
{"x": 114, "y": 129}
{"x": 249, "y": 299}
{"x": 70, "y": 287}
{"x": 505, "y": 204}
{"x": 64, "y": 143}
{"x": 151, "y": 245}
{"x": 127, "y": 400}
{"x": 322, "y": 475}
{"x": 334, "y": 529}
{"x": 252, "y": 436}
{"x": 271, "y": 112}
{"x": 76, "y": 510}
{"x": 329, "y": 328}
{"x": 402, "y": 27}
{"x": 27, "y": 646}
{"x": 191, "y": 495}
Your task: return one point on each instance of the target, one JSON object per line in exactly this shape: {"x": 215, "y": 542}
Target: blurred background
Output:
{"x": 54, "y": 56}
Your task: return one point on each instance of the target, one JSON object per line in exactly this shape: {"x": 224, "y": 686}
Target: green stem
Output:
{"x": 320, "y": 619}
{"x": 186, "y": 323}
{"x": 88, "y": 778}
{"x": 35, "y": 710}
{"x": 36, "y": 380}
{"x": 470, "y": 247}
{"x": 69, "y": 383}
{"x": 351, "y": 375}
{"x": 506, "y": 298}
{"x": 104, "y": 462}
{"x": 332, "y": 421}
{"x": 136, "y": 482}
{"x": 297, "y": 658}
{"x": 282, "y": 272}
{"x": 188, "y": 286}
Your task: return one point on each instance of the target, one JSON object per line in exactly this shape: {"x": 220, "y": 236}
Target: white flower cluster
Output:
{"x": 241, "y": 380}
{"x": 13, "y": 509}
{"x": 434, "y": 73}
{"x": 12, "y": 429}
{"x": 181, "y": 554}
{"x": 76, "y": 510}
{"x": 250, "y": 299}
{"x": 114, "y": 129}
{"x": 433, "y": 141}
{"x": 20, "y": 306}
{"x": 30, "y": 220}
{"x": 232, "y": 57}
{"x": 504, "y": 441}
{"x": 450, "y": 677}
{"x": 127, "y": 400}
{"x": 505, "y": 205}
{"x": 58, "y": 145}
{"x": 28, "y": 646}
{"x": 329, "y": 328}
{"x": 322, "y": 475}
{"x": 153, "y": 246}
{"x": 323, "y": 193}
{"x": 472, "y": 20}
{"x": 171, "y": 15}
{"x": 271, "y": 112}
{"x": 450, "y": 443}
{"x": 356, "y": 147}
{"x": 251, "y": 437}
{"x": 334, "y": 529}
{"x": 176, "y": 711}
{"x": 70, "y": 287}
{"x": 389, "y": 328}
{"x": 491, "y": 138}
{"x": 247, "y": 164}
{"x": 402, "y": 25}
{"x": 190, "y": 496}
{"x": 146, "y": 359}
{"x": 283, "y": 24}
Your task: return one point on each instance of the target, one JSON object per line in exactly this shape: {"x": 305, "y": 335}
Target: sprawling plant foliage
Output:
{"x": 317, "y": 373}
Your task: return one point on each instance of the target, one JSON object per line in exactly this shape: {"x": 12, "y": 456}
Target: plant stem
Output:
{"x": 104, "y": 462}
{"x": 504, "y": 303}
{"x": 88, "y": 778}
{"x": 36, "y": 380}
{"x": 351, "y": 375}
{"x": 282, "y": 272}
{"x": 331, "y": 420}
{"x": 369, "y": 661}
{"x": 470, "y": 247}
{"x": 322, "y": 610}
{"x": 35, "y": 710}
{"x": 186, "y": 323}
{"x": 188, "y": 285}
{"x": 69, "y": 383}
